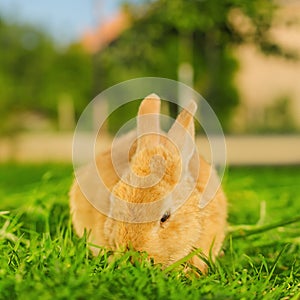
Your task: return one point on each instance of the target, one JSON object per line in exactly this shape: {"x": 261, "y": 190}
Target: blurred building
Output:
{"x": 270, "y": 86}
{"x": 106, "y": 33}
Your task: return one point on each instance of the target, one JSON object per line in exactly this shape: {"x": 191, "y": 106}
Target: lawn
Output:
{"x": 41, "y": 258}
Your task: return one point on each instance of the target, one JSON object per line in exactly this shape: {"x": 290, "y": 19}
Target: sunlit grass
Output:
{"x": 41, "y": 258}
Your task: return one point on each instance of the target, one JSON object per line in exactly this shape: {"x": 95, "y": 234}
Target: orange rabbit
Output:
{"x": 146, "y": 210}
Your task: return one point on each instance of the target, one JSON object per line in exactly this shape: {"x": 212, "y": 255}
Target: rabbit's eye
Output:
{"x": 165, "y": 217}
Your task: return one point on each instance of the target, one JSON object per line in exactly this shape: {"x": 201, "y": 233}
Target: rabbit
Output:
{"x": 167, "y": 159}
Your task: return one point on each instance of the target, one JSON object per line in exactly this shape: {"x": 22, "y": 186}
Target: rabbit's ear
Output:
{"x": 148, "y": 128}
{"x": 182, "y": 132}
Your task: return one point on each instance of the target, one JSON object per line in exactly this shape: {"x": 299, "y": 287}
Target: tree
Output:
{"x": 165, "y": 33}
{"x": 35, "y": 74}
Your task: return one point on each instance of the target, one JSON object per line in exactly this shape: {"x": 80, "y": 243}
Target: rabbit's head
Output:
{"x": 157, "y": 198}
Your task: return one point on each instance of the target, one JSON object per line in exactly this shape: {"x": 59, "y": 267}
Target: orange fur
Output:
{"x": 187, "y": 228}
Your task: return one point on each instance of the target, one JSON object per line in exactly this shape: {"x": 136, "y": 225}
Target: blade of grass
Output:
{"x": 182, "y": 261}
{"x": 276, "y": 262}
{"x": 6, "y": 212}
{"x": 296, "y": 296}
{"x": 241, "y": 231}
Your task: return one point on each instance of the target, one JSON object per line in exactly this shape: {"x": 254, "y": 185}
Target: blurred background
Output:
{"x": 242, "y": 56}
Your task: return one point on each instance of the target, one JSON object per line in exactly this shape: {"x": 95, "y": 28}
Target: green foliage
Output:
{"x": 279, "y": 117}
{"x": 122, "y": 115}
{"x": 166, "y": 33}
{"x": 34, "y": 74}
{"x": 40, "y": 256}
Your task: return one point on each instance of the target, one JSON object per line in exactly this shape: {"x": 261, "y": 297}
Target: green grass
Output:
{"x": 41, "y": 258}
